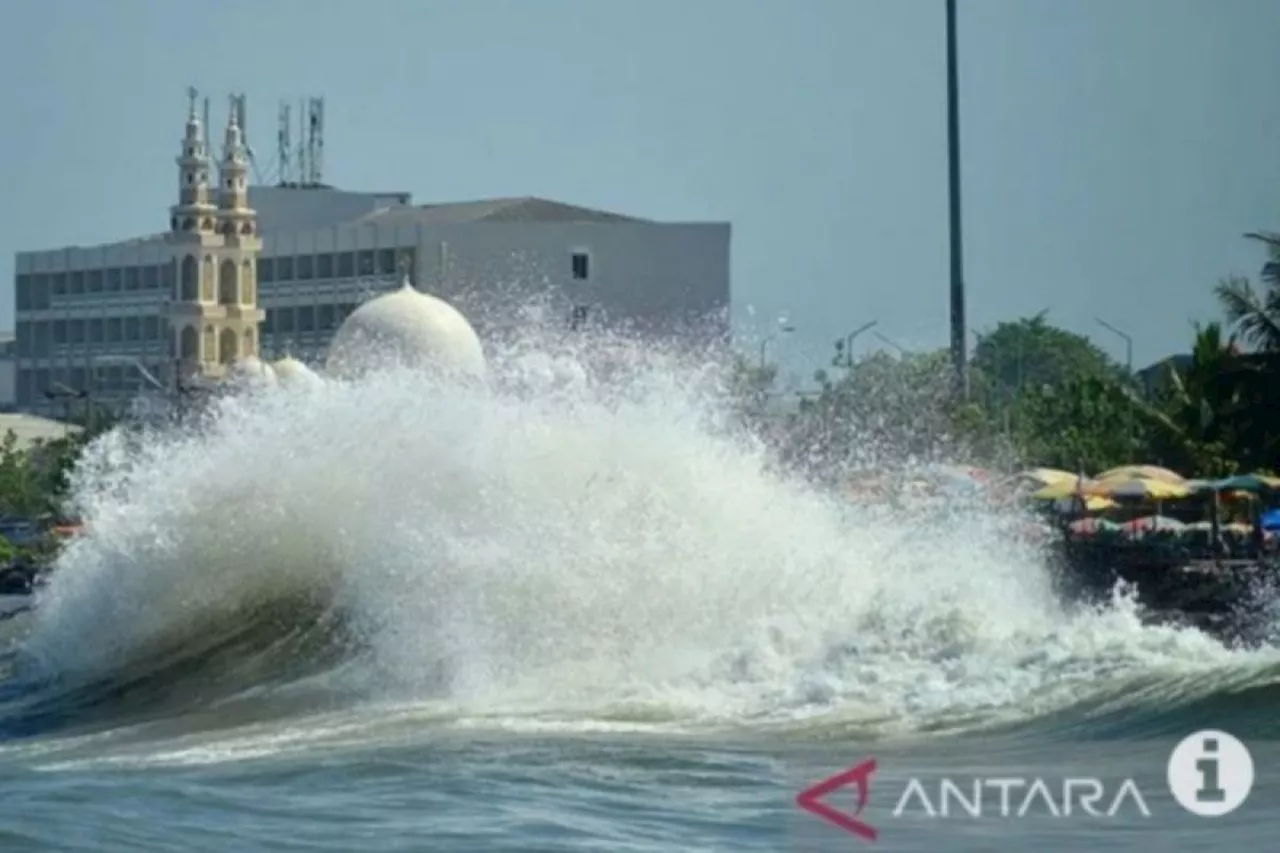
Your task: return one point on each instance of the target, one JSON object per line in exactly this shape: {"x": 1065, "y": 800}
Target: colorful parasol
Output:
{"x": 1092, "y": 526}
{"x": 1137, "y": 488}
{"x": 1142, "y": 472}
{"x": 1153, "y": 523}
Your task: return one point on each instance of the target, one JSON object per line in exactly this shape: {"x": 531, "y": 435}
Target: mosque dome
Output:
{"x": 293, "y": 373}
{"x": 252, "y": 369}
{"x": 410, "y": 328}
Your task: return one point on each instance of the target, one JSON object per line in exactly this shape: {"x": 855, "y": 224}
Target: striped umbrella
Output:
{"x": 1139, "y": 488}
{"x": 1153, "y": 523}
{"x": 1092, "y": 526}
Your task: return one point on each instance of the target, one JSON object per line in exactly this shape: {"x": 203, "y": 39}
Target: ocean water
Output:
{"x": 562, "y": 612}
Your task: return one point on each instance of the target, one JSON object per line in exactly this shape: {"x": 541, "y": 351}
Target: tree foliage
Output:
{"x": 1045, "y": 396}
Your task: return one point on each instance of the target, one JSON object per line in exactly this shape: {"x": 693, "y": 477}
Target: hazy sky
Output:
{"x": 1114, "y": 151}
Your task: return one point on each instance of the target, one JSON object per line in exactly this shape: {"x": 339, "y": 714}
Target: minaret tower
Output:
{"x": 237, "y": 292}
{"x": 193, "y": 236}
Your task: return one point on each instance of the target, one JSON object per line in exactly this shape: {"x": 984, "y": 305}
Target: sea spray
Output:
{"x": 557, "y": 547}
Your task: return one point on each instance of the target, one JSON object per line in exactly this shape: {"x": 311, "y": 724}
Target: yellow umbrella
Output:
{"x": 1142, "y": 472}
{"x": 1047, "y": 476}
{"x": 1066, "y": 489}
{"x": 1138, "y": 487}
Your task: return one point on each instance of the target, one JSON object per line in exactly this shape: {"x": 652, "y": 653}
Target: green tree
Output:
{"x": 1031, "y": 352}
{"x": 1087, "y": 423}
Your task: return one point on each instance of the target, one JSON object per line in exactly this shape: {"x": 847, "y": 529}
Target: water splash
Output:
{"x": 557, "y": 549}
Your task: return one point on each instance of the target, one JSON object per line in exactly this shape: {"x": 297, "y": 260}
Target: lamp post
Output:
{"x": 764, "y": 344}
{"x": 959, "y": 361}
{"x": 1128, "y": 342}
{"x": 901, "y": 350}
{"x": 845, "y": 344}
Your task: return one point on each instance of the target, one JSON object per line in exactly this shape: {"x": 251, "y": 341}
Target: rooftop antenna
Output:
{"x": 302, "y": 142}
{"x": 315, "y": 141}
{"x": 284, "y": 146}
{"x": 239, "y": 105}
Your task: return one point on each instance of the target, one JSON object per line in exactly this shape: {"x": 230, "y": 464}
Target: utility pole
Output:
{"x": 959, "y": 360}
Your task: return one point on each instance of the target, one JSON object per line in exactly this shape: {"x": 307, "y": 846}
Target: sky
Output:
{"x": 1114, "y": 152}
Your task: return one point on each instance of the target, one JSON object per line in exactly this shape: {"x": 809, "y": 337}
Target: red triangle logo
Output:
{"x": 859, "y": 776}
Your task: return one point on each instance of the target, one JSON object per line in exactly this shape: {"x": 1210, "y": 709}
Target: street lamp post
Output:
{"x": 845, "y": 344}
{"x": 1128, "y": 342}
{"x": 959, "y": 360}
{"x": 901, "y": 350}
{"x": 764, "y": 344}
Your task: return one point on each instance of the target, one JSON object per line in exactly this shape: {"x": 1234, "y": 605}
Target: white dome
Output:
{"x": 410, "y": 328}
{"x": 252, "y": 369}
{"x": 293, "y": 373}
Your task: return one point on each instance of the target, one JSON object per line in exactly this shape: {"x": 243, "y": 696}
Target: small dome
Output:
{"x": 252, "y": 369}
{"x": 410, "y": 328}
{"x": 293, "y": 373}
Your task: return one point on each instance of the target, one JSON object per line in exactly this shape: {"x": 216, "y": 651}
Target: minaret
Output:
{"x": 193, "y": 236}
{"x": 237, "y": 296}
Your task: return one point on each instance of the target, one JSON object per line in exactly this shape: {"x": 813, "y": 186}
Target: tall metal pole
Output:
{"x": 1124, "y": 336}
{"x": 959, "y": 361}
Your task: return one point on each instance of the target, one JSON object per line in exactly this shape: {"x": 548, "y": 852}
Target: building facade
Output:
{"x": 273, "y": 270}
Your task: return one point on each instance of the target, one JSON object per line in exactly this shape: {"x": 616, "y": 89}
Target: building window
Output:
{"x": 59, "y": 331}
{"x": 22, "y": 289}
{"x": 22, "y": 332}
{"x": 306, "y": 267}
{"x": 284, "y": 320}
{"x": 190, "y": 280}
{"x": 93, "y": 283}
{"x": 284, "y": 269}
{"x": 96, "y": 333}
{"x": 269, "y": 321}
{"x": 59, "y": 283}
{"x": 328, "y": 318}
{"x": 132, "y": 328}
{"x": 114, "y": 330}
{"x": 386, "y": 262}
{"x": 366, "y": 262}
{"x": 151, "y": 327}
{"x": 75, "y": 331}
{"x": 131, "y": 278}
{"x": 581, "y": 266}
{"x": 306, "y": 318}
{"x": 266, "y": 270}
{"x": 346, "y": 265}
{"x": 324, "y": 266}
{"x": 150, "y": 278}
{"x": 114, "y": 277}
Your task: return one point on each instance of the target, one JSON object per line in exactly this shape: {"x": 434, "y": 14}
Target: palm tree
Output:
{"x": 1256, "y": 316}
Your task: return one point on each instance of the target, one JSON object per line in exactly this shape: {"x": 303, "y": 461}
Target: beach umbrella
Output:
{"x": 1139, "y": 489}
{"x": 1041, "y": 477}
{"x": 1250, "y": 483}
{"x": 1066, "y": 489}
{"x": 1151, "y": 523}
{"x": 1092, "y": 526}
{"x": 1096, "y": 503}
{"x": 1142, "y": 472}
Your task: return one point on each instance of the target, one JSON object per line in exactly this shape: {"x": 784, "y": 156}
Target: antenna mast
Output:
{"x": 284, "y": 146}
{"x": 302, "y": 142}
{"x": 315, "y": 141}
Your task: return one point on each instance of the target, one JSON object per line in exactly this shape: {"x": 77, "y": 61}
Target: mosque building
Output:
{"x": 249, "y": 274}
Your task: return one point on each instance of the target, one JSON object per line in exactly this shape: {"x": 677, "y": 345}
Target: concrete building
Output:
{"x": 8, "y": 373}
{"x": 275, "y": 269}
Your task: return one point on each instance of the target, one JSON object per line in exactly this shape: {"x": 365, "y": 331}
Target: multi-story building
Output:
{"x": 273, "y": 269}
